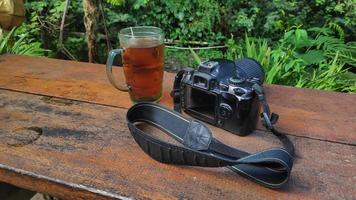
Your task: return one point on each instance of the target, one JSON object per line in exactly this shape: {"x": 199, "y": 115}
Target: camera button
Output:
{"x": 224, "y": 87}
{"x": 225, "y": 111}
{"x": 239, "y": 91}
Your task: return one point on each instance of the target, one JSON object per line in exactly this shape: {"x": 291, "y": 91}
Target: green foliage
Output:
{"x": 180, "y": 20}
{"x": 195, "y": 56}
{"x": 19, "y": 44}
{"x": 329, "y": 76}
{"x": 251, "y": 48}
{"x": 214, "y": 20}
{"x": 43, "y": 23}
{"x": 116, "y": 2}
{"x": 177, "y": 59}
{"x": 312, "y": 56}
{"x": 300, "y": 60}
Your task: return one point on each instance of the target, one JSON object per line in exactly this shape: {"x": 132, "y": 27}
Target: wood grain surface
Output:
{"x": 329, "y": 116}
{"x": 85, "y": 151}
{"x": 63, "y": 132}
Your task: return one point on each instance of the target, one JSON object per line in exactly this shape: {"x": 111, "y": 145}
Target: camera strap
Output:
{"x": 268, "y": 119}
{"x": 175, "y": 94}
{"x": 271, "y": 167}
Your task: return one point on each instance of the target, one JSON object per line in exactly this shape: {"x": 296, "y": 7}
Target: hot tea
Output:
{"x": 143, "y": 67}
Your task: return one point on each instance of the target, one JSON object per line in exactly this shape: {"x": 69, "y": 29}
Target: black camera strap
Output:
{"x": 175, "y": 94}
{"x": 271, "y": 167}
{"x": 268, "y": 119}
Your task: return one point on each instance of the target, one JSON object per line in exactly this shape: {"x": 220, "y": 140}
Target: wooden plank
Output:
{"x": 327, "y": 116}
{"x": 85, "y": 151}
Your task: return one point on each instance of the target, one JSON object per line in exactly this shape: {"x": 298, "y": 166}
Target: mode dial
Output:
{"x": 236, "y": 80}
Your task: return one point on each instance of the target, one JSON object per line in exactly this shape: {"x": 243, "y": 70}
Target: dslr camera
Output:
{"x": 221, "y": 92}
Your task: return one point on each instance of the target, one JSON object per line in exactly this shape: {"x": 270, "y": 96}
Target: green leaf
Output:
{"x": 116, "y": 2}
{"x": 312, "y": 57}
{"x": 5, "y": 40}
{"x": 301, "y": 34}
{"x": 180, "y": 15}
{"x": 195, "y": 56}
{"x": 322, "y": 30}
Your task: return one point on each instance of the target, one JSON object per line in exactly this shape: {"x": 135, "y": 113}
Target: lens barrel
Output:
{"x": 249, "y": 68}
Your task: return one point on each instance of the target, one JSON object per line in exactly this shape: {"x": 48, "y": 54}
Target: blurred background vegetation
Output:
{"x": 302, "y": 43}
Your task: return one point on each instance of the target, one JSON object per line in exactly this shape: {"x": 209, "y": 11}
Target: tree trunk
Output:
{"x": 91, "y": 16}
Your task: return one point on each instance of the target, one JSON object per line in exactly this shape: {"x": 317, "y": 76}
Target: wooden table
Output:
{"x": 63, "y": 132}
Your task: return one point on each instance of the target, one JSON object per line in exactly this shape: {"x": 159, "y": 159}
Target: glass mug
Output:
{"x": 142, "y": 54}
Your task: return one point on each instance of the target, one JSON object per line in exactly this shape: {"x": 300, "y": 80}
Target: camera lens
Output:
{"x": 250, "y": 68}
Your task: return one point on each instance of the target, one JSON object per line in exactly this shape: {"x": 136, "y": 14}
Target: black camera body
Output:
{"x": 221, "y": 93}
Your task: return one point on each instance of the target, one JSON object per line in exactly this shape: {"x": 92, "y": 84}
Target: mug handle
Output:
{"x": 109, "y": 62}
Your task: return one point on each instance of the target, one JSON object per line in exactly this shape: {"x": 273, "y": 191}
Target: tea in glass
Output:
{"x": 143, "y": 62}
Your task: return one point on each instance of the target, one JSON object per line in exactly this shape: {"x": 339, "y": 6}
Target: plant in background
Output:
{"x": 211, "y": 21}
{"x": 329, "y": 44}
{"x": 329, "y": 75}
{"x": 181, "y": 58}
{"x": 249, "y": 47}
{"x": 300, "y": 60}
{"x": 298, "y": 57}
{"x": 43, "y": 25}
{"x": 116, "y": 2}
{"x": 19, "y": 44}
